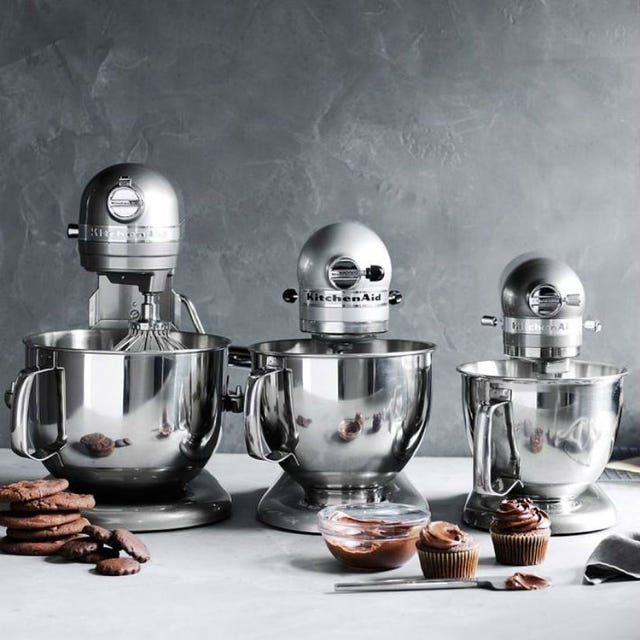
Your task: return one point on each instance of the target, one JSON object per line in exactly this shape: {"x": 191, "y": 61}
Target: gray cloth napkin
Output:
{"x": 617, "y": 557}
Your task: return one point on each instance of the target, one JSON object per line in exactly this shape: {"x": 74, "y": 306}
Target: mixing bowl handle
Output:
{"x": 492, "y": 398}
{"x": 20, "y": 397}
{"x": 192, "y": 311}
{"x": 257, "y": 446}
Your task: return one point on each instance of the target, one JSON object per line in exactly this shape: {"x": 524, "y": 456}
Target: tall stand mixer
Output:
{"x": 344, "y": 411}
{"x": 129, "y": 234}
{"x": 542, "y": 424}
{"x": 131, "y": 408}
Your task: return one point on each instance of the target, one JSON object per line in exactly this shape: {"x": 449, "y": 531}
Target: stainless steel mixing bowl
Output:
{"x": 552, "y": 436}
{"x": 343, "y": 416}
{"x": 167, "y": 404}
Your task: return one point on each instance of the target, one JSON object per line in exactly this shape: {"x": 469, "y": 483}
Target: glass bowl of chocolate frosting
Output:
{"x": 372, "y": 537}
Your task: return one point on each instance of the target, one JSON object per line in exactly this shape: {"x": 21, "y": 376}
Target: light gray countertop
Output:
{"x": 239, "y": 579}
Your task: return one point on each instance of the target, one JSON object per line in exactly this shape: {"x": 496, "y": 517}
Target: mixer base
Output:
{"x": 203, "y": 501}
{"x": 590, "y": 511}
{"x": 284, "y": 505}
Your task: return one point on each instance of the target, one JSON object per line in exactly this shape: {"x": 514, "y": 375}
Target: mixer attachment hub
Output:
{"x": 149, "y": 333}
{"x": 552, "y": 368}
{"x": 290, "y": 296}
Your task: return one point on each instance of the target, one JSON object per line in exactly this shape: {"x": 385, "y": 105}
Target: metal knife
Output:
{"x": 417, "y": 584}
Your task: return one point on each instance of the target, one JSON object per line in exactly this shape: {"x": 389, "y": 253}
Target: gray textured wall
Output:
{"x": 464, "y": 132}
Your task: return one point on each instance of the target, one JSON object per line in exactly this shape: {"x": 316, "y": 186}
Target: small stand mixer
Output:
{"x": 542, "y": 424}
{"x": 129, "y": 409}
{"x": 344, "y": 411}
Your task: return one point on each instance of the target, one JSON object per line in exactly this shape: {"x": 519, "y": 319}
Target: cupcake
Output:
{"x": 447, "y": 552}
{"x": 520, "y": 533}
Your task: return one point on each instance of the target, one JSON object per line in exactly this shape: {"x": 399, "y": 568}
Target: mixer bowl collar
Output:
{"x": 314, "y": 348}
{"x": 102, "y": 341}
{"x": 524, "y": 371}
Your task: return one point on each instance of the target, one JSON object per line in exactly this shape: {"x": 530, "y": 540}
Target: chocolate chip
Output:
{"x": 301, "y": 421}
{"x": 122, "y": 442}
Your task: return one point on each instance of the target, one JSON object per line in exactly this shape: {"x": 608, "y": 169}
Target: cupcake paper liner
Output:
{"x": 520, "y": 549}
{"x": 452, "y": 565}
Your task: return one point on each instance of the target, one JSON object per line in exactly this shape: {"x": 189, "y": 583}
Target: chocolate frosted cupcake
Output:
{"x": 447, "y": 552}
{"x": 520, "y": 533}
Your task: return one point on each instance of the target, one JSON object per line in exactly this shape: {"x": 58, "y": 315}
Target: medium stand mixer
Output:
{"x": 342, "y": 412}
{"x": 542, "y": 424}
{"x": 131, "y": 408}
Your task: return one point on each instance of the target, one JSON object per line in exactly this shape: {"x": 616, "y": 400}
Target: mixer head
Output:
{"x": 344, "y": 273}
{"x": 542, "y": 304}
{"x": 129, "y": 226}
{"x": 129, "y": 233}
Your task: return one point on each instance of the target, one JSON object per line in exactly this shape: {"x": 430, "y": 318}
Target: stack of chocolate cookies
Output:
{"x": 44, "y": 519}
{"x": 42, "y": 516}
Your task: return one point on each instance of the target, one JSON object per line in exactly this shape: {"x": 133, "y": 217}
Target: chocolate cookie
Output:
{"x": 100, "y": 534}
{"x": 78, "y": 548}
{"x": 63, "y": 501}
{"x": 129, "y": 543}
{"x": 97, "y": 445}
{"x": 46, "y": 533}
{"x": 101, "y": 554}
{"x": 33, "y": 547}
{"x": 31, "y": 489}
{"x": 117, "y": 567}
{"x": 18, "y": 520}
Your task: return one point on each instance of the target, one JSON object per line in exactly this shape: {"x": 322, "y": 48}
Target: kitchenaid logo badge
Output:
{"x": 542, "y": 327}
{"x": 111, "y": 233}
{"x": 344, "y": 299}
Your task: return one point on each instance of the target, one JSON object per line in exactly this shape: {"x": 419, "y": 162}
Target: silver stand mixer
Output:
{"x": 342, "y": 412}
{"x": 542, "y": 424}
{"x": 129, "y": 409}
{"x": 129, "y": 234}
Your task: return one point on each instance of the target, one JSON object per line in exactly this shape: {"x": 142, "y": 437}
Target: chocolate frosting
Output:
{"x": 519, "y": 516}
{"x": 527, "y": 582}
{"x": 445, "y": 536}
{"x": 372, "y": 529}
